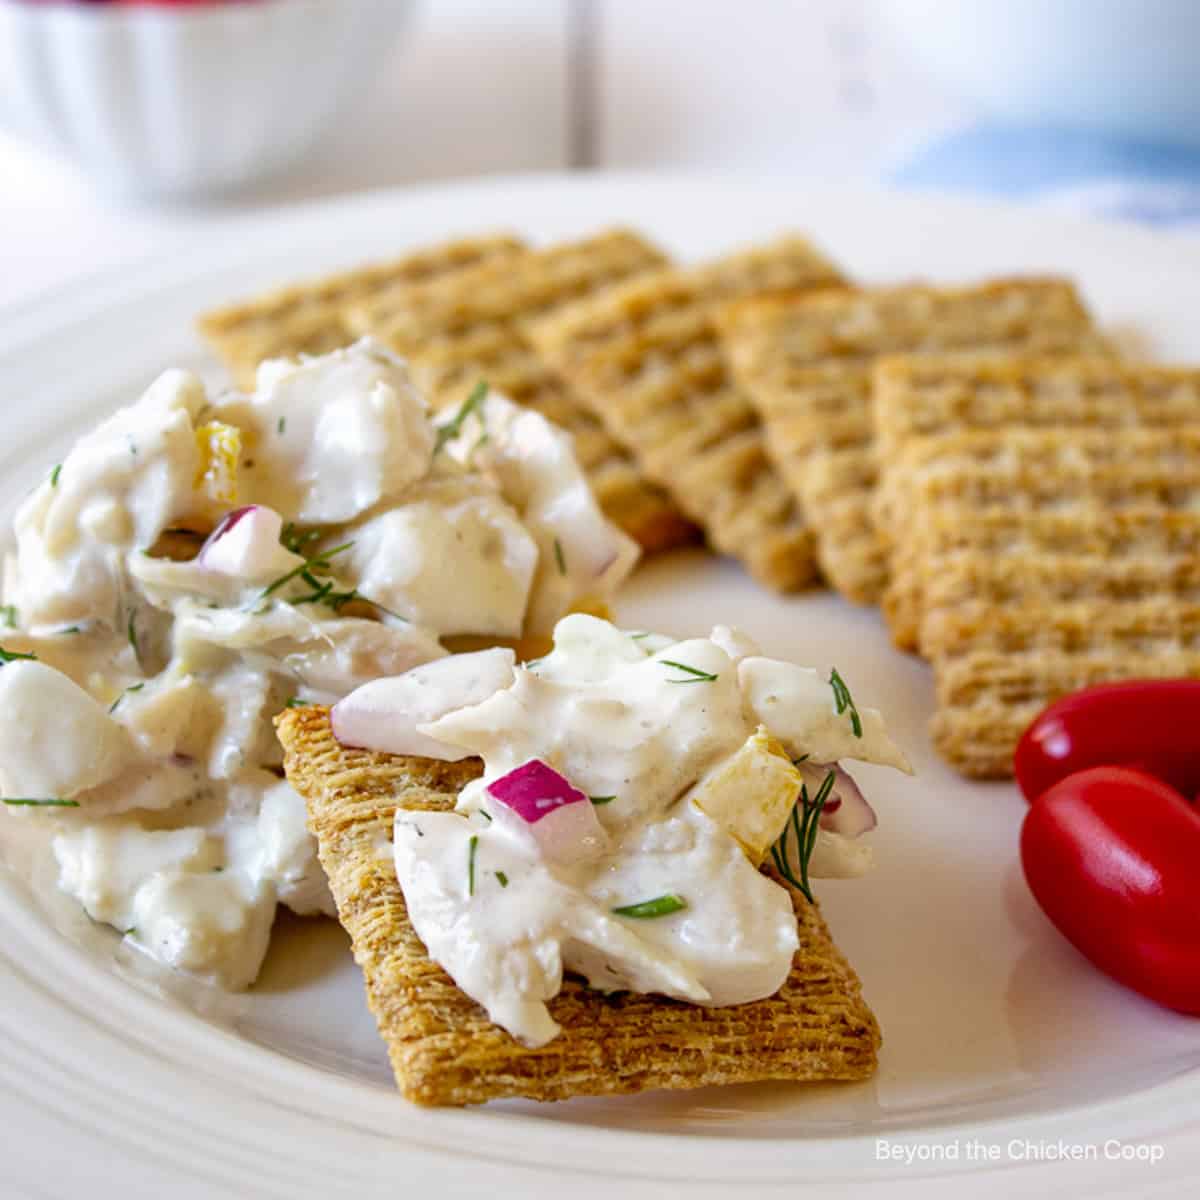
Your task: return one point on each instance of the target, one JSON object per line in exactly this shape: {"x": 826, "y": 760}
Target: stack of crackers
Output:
{"x": 974, "y": 459}
{"x": 1044, "y": 519}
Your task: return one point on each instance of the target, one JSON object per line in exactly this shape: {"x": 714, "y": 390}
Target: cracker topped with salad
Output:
{"x": 609, "y": 850}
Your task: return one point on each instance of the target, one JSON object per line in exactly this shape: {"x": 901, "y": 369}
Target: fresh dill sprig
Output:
{"x": 559, "y": 557}
{"x": 660, "y": 906}
{"x": 69, "y": 629}
{"x": 453, "y": 427}
{"x": 42, "y": 802}
{"x": 316, "y": 562}
{"x": 322, "y": 591}
{"x": 296, "y": 702}
{"x": 8, "y": 614}
{"x": 843, "y": 700}
{"x": 55, "y": 474}
{"x": 7, "y": 656}
{"x": 133, "y": 687}
{"x": 292, "y": 539}
{"x": 500, "y": 875}
{"x": 281, "y": 425}
{"x": 697, "y": 675}
{"x": 804, "y": 822}
{"x": 473, "y": 846}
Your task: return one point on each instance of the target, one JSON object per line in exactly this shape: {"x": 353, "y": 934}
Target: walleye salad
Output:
{"x": 197, "y": 563}
{"x": 632, "y": 787}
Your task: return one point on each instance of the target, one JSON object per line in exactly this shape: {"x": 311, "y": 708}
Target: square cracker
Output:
{"x": 307, "y": 318}
{"x": 647, "y": 359}
{"x": 1049, "y": 560}
{"x": 443, "y": 1048}
{"x": 918, "y": 397}
{"x": 470, "y": 325}
{"x": 806, "y": 362}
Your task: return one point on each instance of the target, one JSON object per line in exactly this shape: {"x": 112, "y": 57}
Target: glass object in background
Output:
{"x": 1126, "y": 68}
{"x": 1089, "y": 104}
{"x": 181, "y": 100}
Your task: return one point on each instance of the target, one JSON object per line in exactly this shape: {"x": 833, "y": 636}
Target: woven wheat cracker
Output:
{"x": 307, "y": 318}
{"x": 806, "y": 362}
{"x": 918, "y": 397}
{"x": 1049, "y": 560}
{"x": 471, "y": 325}
{"x": 443, "y": 1048}
{"x": 647, "y": 358}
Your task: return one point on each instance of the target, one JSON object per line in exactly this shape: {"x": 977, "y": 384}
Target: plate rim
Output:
{"x": 193, "y": 257}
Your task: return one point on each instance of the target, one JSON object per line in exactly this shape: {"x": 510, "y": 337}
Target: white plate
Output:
{"x": 997, "y": 1035}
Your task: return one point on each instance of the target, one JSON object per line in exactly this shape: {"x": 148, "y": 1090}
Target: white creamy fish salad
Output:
{"x": 195, "y": 564}
{"x": 632, "y": 787}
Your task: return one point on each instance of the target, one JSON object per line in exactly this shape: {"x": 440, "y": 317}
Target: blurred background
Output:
{"x": 126, "y": 123}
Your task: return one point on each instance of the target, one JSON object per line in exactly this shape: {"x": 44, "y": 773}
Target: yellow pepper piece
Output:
{"x": 220, "y": 447}
{"x": 751, "y": 793}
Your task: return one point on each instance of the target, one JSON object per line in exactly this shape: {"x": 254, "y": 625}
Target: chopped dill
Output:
{"x": 804, "y": 822}
{"x": 133, "y": 687}
{"x": 843, "y": 700}
{"x": 697, "y": 675}
{"x": 316, "y": 562}
{"x": 473, "y": 845}
{"x": 42, "y": 802}
{"x": 131, "y": 634}
{"x": 453, "y": 427}
{"x": 7, "y": 656}
{"x": 660, "y": 906}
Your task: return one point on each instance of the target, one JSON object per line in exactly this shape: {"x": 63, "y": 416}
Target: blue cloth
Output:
{"x": 1157, "y": 184}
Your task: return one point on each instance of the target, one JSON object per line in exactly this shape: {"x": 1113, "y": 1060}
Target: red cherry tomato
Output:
{"x": 1113, "y": 857}
{"x": 1150, "y": 724}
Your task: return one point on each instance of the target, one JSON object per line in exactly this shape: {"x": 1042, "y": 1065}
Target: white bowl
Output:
{"x": 1123, "y": 67}
{"x": 181, "y": 101}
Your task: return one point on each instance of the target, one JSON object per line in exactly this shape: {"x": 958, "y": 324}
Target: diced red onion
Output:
{"x": 846, "y": 811}
{"x": 534, "y": 790}
{"x": 244, "y": 542}
{"x": 536, "y": 801}
{"x": 226, "y": 523}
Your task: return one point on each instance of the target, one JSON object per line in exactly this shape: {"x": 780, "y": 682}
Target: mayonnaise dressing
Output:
{"x": 581, "y": 555}
{"x": 679, "y": 753}
{"x": 142, "y": 664}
